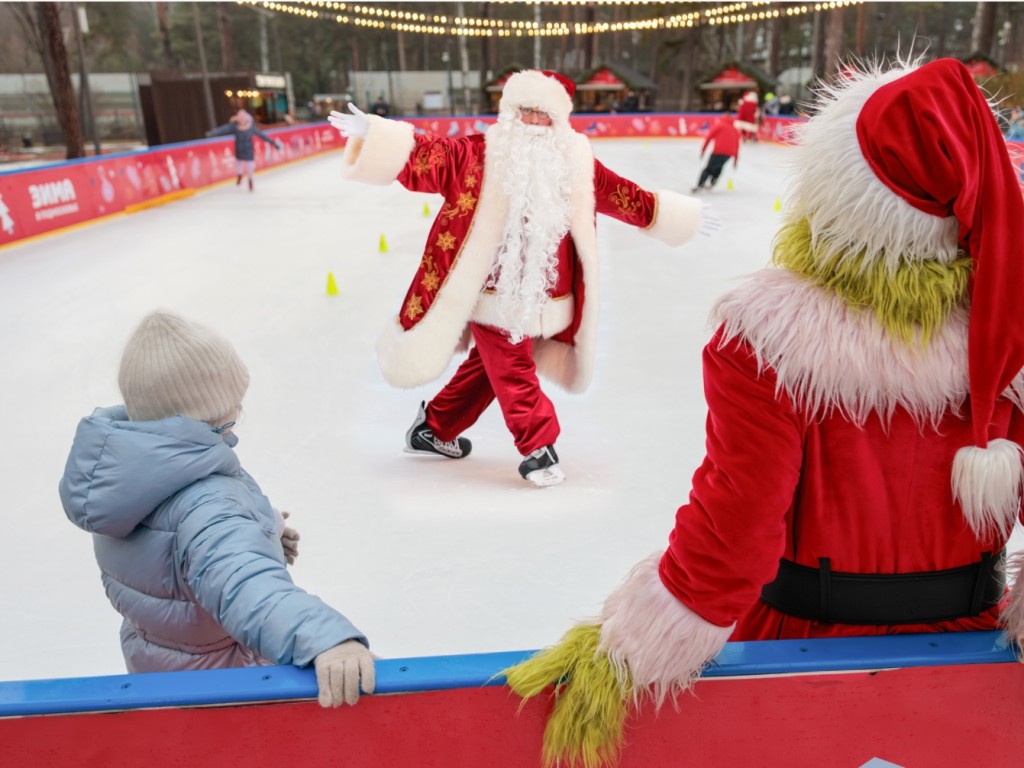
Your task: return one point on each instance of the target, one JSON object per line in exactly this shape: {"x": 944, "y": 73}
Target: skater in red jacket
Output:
{"x": 725, "y": 137}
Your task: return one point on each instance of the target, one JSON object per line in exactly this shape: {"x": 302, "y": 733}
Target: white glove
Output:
{"x": 354, "y": 126}
{"x": 709, "y": 221}
{"x": 339, "y": 671}
{"x": 289, "y": 541}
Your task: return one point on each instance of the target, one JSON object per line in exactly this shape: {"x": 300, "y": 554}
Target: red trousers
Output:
{"x": 496, "y": 368}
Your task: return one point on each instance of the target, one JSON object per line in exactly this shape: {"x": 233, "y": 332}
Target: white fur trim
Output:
{"x": 652, "y": 639}
{"x": 1012, "y": 617}
{"x": 987, "y": 483}
{"x": 830, "y": 356}
{"x": 827, "y": 150}
{"x": 677, "y": 217}
{"x": 553, "y": 317}
{"x": 743, "y": 125}
{"x": 531, "y": 88}
{"x": 409, "y": 358}
{"x": 380, "y": 157}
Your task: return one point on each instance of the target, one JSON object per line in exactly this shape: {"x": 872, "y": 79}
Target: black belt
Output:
{"x": 822, "y": 594}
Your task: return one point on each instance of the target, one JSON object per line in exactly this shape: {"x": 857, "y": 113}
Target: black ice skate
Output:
{"x": 419, "y": 439}
{"x": 250, "y": 185}
{"x": 541, "y": 467}
{"x": 238, "y": 180}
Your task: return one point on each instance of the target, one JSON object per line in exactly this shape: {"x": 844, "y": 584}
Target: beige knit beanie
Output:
{"x": 171, "y": 367}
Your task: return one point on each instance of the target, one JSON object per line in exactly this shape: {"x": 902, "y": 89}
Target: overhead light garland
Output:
{"x": 384, "y": 18}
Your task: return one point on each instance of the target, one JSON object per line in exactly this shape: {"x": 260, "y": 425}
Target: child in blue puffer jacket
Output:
{"x": 190, "y": 551}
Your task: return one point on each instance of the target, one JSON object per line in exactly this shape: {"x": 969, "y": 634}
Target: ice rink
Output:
{"x": 426, "y": 556}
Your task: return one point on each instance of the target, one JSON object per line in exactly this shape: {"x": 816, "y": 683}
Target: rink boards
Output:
{"x": 915, "y": 700}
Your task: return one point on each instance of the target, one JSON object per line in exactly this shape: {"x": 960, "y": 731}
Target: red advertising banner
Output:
{"x": 41, "y": 200}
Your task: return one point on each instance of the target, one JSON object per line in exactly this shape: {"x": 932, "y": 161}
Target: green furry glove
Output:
{"x": 646, "y": 644}
{"x": 590, "y": 701}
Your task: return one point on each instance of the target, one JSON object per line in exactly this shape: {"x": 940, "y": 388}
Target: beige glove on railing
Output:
{"x": 339, "y": 671}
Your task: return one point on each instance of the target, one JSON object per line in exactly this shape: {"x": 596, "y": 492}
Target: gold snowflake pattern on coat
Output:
{"x": 428, "y": 158}
{"x": 431, "y": 280}
{"x": 446, "y": 241}
{"x": 626, "y": 198}
{"x": 414, "y": 307}
{"x": 461, "y": 207}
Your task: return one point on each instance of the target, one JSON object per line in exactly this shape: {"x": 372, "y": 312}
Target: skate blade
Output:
{"x": 434, "y": 454}
{"x": 543, "y": 477}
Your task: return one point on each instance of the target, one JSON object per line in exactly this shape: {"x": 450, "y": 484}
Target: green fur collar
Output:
{"x": 911, "y": 302}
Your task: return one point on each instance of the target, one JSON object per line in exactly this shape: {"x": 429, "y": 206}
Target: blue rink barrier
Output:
{"x": 932, "y": 701}
{"x": 429, "y": 673}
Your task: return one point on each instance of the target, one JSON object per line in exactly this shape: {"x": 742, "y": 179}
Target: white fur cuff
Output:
{"x": 380, "y": 157}
{"x": 654, "y": 638}
{"x": 676, "y": 219}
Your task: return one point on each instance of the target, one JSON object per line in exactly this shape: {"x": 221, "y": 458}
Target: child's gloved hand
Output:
{"x": 289, "y": 541}
{"x": 340, "y": 671}
{"x": 354, "y": 126}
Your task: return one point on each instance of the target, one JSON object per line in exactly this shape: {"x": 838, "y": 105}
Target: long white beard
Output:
{"x": 533, "y": 166}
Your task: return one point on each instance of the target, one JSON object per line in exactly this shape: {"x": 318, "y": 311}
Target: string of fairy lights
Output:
{"x": 395, "y": 19}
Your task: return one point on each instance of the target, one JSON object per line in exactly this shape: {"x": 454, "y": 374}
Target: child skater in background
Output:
{"x": 243, "y": 127}
{"x": 191, "y": 552}
{"x": 725, "y": 136}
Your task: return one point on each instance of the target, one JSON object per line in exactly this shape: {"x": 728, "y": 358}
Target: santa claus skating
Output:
{"x": 510, "y": 264}
{"x": 865, "y": 417}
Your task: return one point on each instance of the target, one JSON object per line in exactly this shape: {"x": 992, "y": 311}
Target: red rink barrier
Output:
{"x": 915, "y": 701}
{"x": 40, "y": 200}
{"x": 50, "y": 198}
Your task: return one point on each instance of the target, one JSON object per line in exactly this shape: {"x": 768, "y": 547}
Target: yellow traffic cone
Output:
{"x": 383, "y": 248}
{"x": 426, "y": 209}
{"x": 728, "y": 184}
{"x": 332, "y": 287}
{"x": 778, "y": 204}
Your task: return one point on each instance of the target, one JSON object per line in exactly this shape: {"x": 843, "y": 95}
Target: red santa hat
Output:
{"x": 932, "y": 139}
{"x": 928, "y": 172}
{"x": 541, "y": 89}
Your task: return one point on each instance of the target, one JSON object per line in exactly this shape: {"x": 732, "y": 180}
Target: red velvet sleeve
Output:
{"x": 728, "y": 539}
{"x": 620, "y": 198}
{"x": 438, "y": 165}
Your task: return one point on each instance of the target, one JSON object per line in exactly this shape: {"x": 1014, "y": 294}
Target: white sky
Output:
{"x": 425, "y": 556}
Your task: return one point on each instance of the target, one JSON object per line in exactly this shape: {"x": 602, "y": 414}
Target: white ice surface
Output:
{"x": 426, "y": 556}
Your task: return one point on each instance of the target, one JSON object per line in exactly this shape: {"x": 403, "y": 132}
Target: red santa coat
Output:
{"x": 746, "y": 114}
{"x": 460, "y": 249}
{"x": 787, "y": 476}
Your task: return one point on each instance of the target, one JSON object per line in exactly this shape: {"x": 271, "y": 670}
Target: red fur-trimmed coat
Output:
{"x": 802, "y": 461}
{"x": 459, "y": 253}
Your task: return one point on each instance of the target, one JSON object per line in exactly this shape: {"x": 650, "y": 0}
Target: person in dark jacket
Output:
{"x": 243, "y": 127}
{"x": 191, "y": 553}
